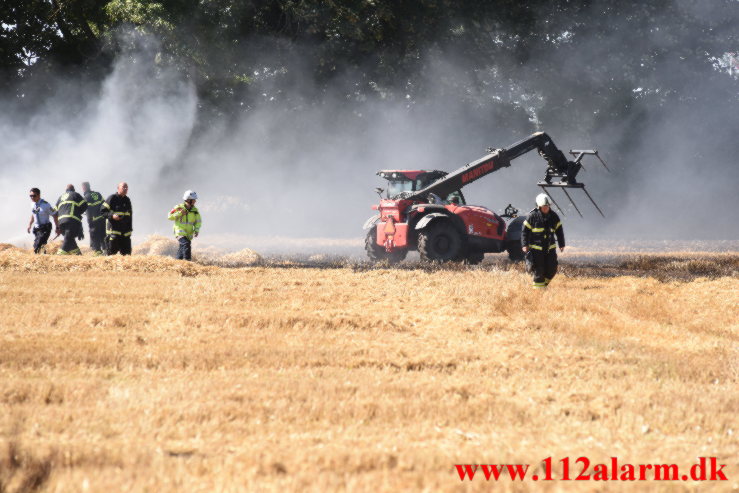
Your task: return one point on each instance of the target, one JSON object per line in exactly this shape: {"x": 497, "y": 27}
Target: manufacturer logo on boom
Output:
{"x": 478, "y": 172}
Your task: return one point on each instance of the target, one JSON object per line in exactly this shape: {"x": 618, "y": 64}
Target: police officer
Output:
{"x": 537, "y": 240}
{"x": 70, "y": 208}
{"x": 119, "y": 225}
{"x": 95, "y": 220}
{"x": 187, "y": 222}
{"x": 41, "y": 213}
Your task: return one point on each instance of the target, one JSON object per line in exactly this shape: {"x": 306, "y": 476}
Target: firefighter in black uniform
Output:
{"x": 69, "y": 209}
{"x": 119, "y": 226}
{"x": 537, "y": 239}
{"x": 95, "y": 220}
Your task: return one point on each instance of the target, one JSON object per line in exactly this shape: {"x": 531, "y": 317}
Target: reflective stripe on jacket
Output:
{"x": 121, "y": 205}
{"x": 539, "y": 231}
{"x": 70, "y": 206}
{"x": 186, "y": 222}
{"x": 94, "y": 204}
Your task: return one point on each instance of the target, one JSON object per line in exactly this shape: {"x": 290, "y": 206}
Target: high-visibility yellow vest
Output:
{"x": 186, "y": 222}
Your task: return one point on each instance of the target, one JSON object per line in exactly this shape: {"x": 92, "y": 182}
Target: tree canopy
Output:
{"x": 540, "y": 56}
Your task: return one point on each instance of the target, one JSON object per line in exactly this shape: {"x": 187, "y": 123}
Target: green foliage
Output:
{"x": 144, "y": 14}
{"x": 539, "y": 56}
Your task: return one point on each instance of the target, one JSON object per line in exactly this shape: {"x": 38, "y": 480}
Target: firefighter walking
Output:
{"x": 118, "y": 212}
{"x": 70, "y": 208}
{"x": 538, "y": 241}
{"x": 187, "y": 222}
{"x": 95, "y": 220}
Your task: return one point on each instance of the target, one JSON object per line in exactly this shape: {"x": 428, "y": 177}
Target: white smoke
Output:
{"x": 290, "y": 169}
{"x": 138, "y": 123}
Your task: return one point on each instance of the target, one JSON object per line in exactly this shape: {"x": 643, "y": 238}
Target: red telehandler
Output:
{"x": 426, "y": 210}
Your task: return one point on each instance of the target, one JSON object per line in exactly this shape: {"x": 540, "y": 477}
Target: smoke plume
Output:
{"x": 287, "y": 169}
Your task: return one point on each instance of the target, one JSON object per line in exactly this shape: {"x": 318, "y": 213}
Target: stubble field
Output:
{"x": 145, "y": 374}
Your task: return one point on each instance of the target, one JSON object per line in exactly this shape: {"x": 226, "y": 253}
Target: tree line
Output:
{"x": 547, "y": 53}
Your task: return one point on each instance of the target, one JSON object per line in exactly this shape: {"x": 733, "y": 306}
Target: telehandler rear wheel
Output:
{"x": 439, "y": 242}
{"x": 474, "y": 258}
{"x": 515, "y": 253}
{"x": 377, "y": 253}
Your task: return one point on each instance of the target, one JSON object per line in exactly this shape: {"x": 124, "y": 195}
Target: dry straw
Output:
{"x": 149, "y": 374}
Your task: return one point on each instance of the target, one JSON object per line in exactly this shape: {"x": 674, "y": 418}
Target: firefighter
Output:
{"x": 119, "y": 225}
{"x": 537, "y": 241}
{"x": 95, "y": 220}
{"x": 41, "y": 215}
{"x": 187, "y": 223}
{"x": 70, "y": 208}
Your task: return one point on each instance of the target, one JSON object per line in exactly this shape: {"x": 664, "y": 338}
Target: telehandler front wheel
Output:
{"x": 439, "y": 242}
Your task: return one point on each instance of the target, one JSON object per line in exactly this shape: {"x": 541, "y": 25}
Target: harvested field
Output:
{"x": 148, "y": 374}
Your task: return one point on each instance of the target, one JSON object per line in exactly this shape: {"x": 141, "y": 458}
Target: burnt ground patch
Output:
{"x": 664, "y": 267}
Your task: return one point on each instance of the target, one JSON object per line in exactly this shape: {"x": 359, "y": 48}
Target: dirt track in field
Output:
{"x": 148, "y": 374}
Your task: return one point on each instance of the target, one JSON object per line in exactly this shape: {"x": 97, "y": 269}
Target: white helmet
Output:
{"x": 542, "y": 199}
{"x": 190, "y": 195}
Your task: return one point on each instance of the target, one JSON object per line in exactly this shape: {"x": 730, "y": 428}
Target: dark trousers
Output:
{"x": 119, "y": 244}
{"x": 185, "y": 250}
{"x": 97, "y": 235}
{"x": 41, "y": 236}
{"x": 543, "y": 266}
{"x": 71, "y": 230}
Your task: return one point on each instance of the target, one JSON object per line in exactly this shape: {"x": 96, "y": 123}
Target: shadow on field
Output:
{"x": 21, "y": 471}
{"x": 670, "y": 266}
{"x": 664, "y": 267}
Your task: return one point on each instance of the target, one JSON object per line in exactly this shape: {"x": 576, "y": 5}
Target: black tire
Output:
{"x": 515, "y": 252}
{"x": 377, "y": 253}
{"x": 474, "y": 258}
{"x": 440, "y": 242}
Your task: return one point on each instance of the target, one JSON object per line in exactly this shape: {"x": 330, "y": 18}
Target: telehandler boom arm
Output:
{"x": 557, "y": 166}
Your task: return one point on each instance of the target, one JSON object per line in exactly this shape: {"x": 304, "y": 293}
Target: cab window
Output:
{"x": 424, "y": 181}
{"x": 455, "y": 197}
{"x": 394, "y": 187}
